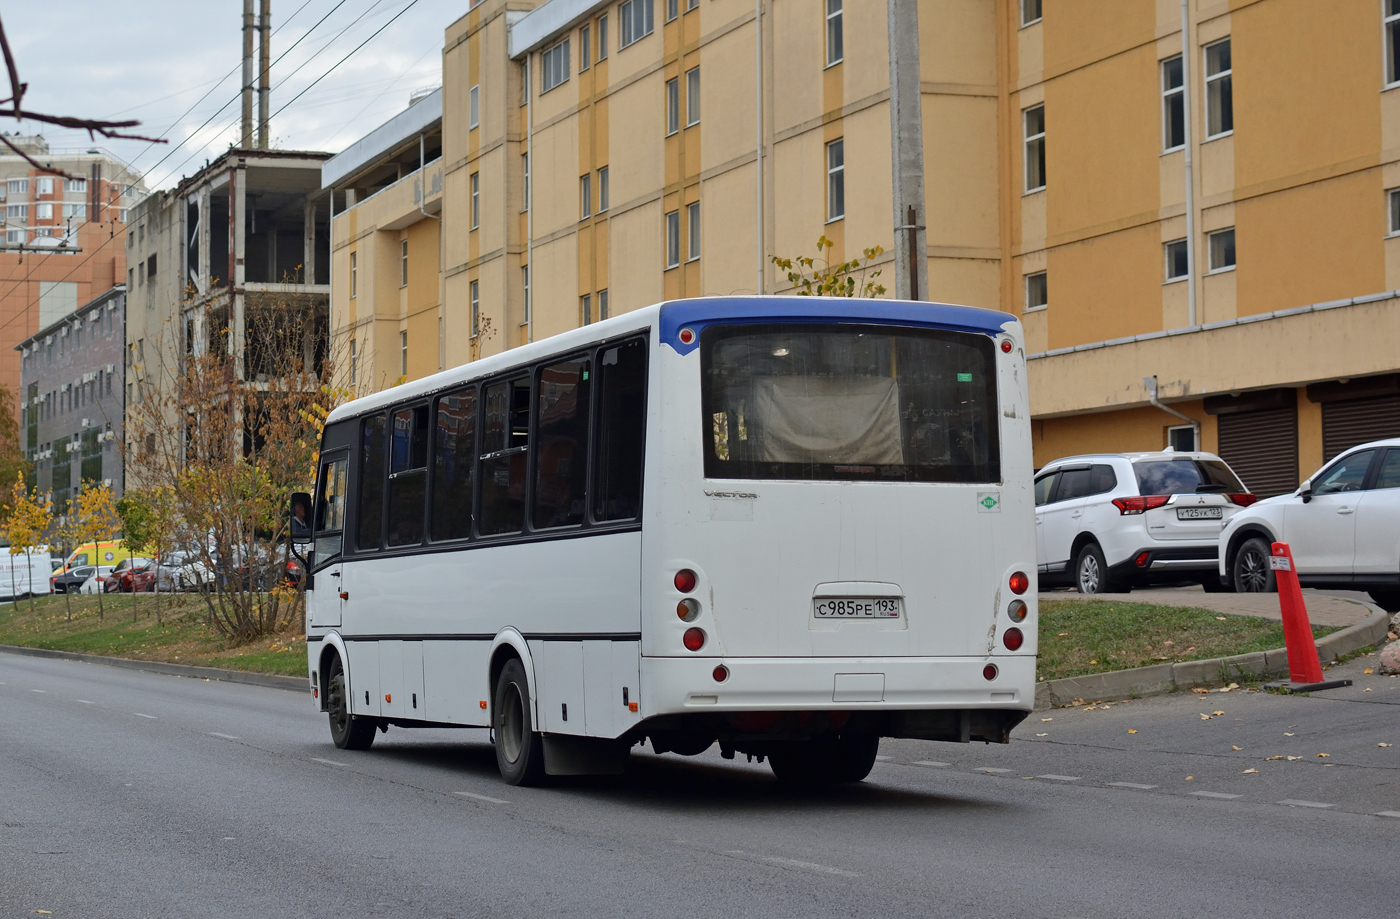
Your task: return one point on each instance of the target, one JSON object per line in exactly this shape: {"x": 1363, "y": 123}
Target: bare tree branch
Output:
{"x": 31, "y": 161}
{"x": 16, "y": 87}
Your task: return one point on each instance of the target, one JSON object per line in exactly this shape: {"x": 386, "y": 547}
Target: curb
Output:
{"x": 292, "y": 683}
{"x": 1160, "y": 679}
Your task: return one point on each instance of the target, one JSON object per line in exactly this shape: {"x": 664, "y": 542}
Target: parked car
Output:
{"x": 1342, "y": 527}
{"x": 70, "y": 580}
{"x": 122, "y": 579}
{"x": 96, "y": 583}
{"x": 1108, "y": 522}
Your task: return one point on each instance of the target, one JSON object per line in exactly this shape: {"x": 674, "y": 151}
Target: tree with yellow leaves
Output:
{"x": 92, "y": 517}
{"x": 30, "y": 516}
{"x": 828, "y": 280}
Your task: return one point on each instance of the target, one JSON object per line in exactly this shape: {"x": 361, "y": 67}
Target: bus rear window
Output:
{"x": 849, "y": 402}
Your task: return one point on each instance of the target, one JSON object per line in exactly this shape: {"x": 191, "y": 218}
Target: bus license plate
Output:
{"x": 857, "y": 607}
{"x": 1199, "y": 513}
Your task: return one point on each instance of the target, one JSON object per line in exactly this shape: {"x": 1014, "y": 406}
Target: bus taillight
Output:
{"x": 1017, "y": 610}
{"x": 694, "y": 639}
{"x": 1019, "y": 582}
{"x": 1013, "y": 639}
{"x": 685, "y": 580}
{"x": 721, "y": 673}
{"x": 990, "y": 671}
{"x": 688, "y": 609}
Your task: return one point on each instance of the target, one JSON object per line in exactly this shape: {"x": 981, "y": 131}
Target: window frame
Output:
{"x": 633, "y": 13}
{"x": 1392, "y": 200}
{"x": 585, "y": 49}
{"x": 554, "y": 61}
{"x": 673, "y": 106}
{"x": 1027, "y": 283}
{"x": 692, "y": 220}
{"x": 525, "y": 160}
{"x": 1175, "y": 428}
{"x": 1390, "y": 32}
{"x": 603, "y": 37}
{"x": 673, "y": 10}
{"x": 1030, "y": 141}
{"x": 403, "y": 263}
{"x": 835, "y": 28}
{"x": 585, "y": 308}
{"x": 835, "y": 180}
{"x": 474, "y": 293}
{"x": 474, "y": 107}
{"x": 673, "y": 239}
{"x": 1167, "y": 276}
{"x": 585, "y": 196}
{"x": 354, "y": 268}
{"x": 1026, "y": 6}
{"x": 1223, "y": 78}
{"x": 602, "y": 189}
{"x": 692, "y": 97}
{"x": 1173, "y": 94}
{"x": 1210, "y": 250}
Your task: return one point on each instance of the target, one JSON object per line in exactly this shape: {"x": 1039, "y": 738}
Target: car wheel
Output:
{"x": 519, "y": 749}
{"x": 1388, "y": 600}
{"x": 349, "y": 731}
{"x": 1090, "y": 570}
{"x": 1251, "y": 571}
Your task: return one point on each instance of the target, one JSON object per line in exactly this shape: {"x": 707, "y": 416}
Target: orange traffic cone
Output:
{"x": 1304, "y": 668}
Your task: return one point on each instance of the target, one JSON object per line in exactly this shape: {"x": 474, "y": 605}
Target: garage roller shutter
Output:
{"x": 1262, "y": 448}
{"x": 1346, "y": 424}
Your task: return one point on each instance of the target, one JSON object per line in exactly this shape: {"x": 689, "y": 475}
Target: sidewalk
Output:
{"x": 1325, "y": 607}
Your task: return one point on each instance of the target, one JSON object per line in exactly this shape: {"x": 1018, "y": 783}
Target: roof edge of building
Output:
{"x": 412, "y": 121}
{"x": 546, "y": 21}
{"x": 98, "y": 300}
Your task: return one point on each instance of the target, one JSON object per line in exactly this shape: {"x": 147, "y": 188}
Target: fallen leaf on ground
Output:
{"x": 1190, "y": 777}
{"x": 1287, "y": 734}
{"x": 1382, "y": 744}
{"x": 1367, "y": 689}
{"x": 1134, "y": 731}
{"x": 1205, "y": 717}
{"x": 1047, "y": 719}
{"x": 1221, "y": 618}
{"x": 1217, "y": 713}
{"x": 1280, "y": 756}
{"x": 1064, "y": 634}
{"x": 1250, "y": 772}
{"x": 1292, "y": 758}
{"x": 1194, "y": 690}
{"x": 1324, "y": 755}
{"x": 1093, "y": 662}
{"x": 1233, "y": 747}
{"x": 1368, "y": 670}
{"x": 1042, "y": 735}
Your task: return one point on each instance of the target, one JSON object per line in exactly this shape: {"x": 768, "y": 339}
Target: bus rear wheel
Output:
{"x": 348, "y": 731}
{"x": 519, "y": 749}
{"x": 826, "y": 760}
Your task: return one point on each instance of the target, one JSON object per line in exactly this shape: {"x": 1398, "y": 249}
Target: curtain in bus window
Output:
{"x": 370, "y": 520}
{"x": 619, "y": 441}
{"x": 561, "y": 469}
{"x": 828, "y": 420}
{"x": 505, "y": 432}
{"x": 408, "y": 475}
{"x": 454, "y": 457}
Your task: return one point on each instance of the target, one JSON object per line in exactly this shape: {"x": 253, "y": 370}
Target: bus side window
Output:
{"x": 620, "y": 437}
{"x": 369, "y": 523}
{"x": 330, "y": 510}
{"x": 504, "y": 439}
{"x": 454, "y": 457}
{"x": 408, "y": 475}
{"x": 561, "y": 466}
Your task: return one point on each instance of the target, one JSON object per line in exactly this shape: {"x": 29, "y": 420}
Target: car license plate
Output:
{"x": 857, "y": 607}
{"x": 1199, "y": 513}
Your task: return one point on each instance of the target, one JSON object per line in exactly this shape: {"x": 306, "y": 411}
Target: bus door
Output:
{"x": 326, "y": 604}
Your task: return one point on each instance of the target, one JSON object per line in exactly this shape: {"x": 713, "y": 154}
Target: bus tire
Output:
{"x": 519, "y": 748}
{"x": 844, "y": 759}
{"x": 348, "y": 731}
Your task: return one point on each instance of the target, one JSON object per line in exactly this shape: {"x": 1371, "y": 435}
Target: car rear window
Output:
{"x": 1185, "y": 477}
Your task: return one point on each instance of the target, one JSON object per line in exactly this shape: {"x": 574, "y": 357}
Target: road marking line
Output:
{"x": 1289, "y": 802}
{"x": 928, "y": 762}
{"x": 489, "y": 800}
{"x": 38, "y": 690}
{"x": 1388, "y": 814}
{"x": 1131, "y": 785}
{"x": 991, "y": 770}
{"x": 84, "y": 701}
{"x": 139, "y": 715}
{"x": 1060, "y": 778}
{"x": 328, "y": 762}
{"x": 1213, "y": 794}
{"x": 224, "y": 736}
{"x": 883, "y": 759}
{"x": 793, "y": 863}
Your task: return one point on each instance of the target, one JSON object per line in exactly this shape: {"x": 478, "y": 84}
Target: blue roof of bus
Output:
{"x": 697, "y": 313}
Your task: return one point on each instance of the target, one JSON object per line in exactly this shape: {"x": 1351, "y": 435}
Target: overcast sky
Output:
{"x": 154, "y": 59}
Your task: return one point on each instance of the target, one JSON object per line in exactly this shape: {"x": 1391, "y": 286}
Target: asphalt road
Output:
{"x": 128, "y": 794}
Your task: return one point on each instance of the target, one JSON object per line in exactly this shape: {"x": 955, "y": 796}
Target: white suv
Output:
{"x": 1342, "y": 527}
{"x": 1107, "y": 522}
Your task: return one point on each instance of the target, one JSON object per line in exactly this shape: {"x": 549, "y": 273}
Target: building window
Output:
{"x": 403, "y": 263}
{"x": 692, "y": 5}
{"x": 474, "y": 106}
{"x": 75, "y": 185}
{"x": 555, "y": 62}
{"x": 602, "y": 189}
{"x": 584, "y": 49}
{"x": 43, "y": 212}
{"x": 354, "y": 363}
{"x": 1037, "y": 291}
{"x": 836, "y": 180}
{"x": 634, "y": 21}
{"x": 476, "y": 199}
{"x": 476, "y": 308}
{"x": 1035, "y": 148}
{"x": 1182, "y": 438}
{"x": 1392, "y": 42}
{"x": 1220, "y": 104}
{"x": 1175, "y": 252}
{"x": 75, "y": 211}
{"x": 1030, "y": 12}
{"x": 17, "y": 187}
{"x": 525, "y": 282}
{"x": 602, "y": 38}
{"x": 1173, "y": 105}
{"x": 673, "y": 239}
{"x": 692, "y": 96}
{"x": 1394, "y": 200}
{"x": 1222, "y": 249}
{"x": 353, "y": 271}
{"x": 18, "y": 212}
{"x": 121, "y": 214}
{"x": 673, "y": 106}
{"x": 45, "y": 185}
{"x": 835, "y": 41}
{"x": 585, "y": 196}
{"x": 672, "y": 9}
{"x": 585, "y": 308}
{"x": 403, "y": 353}
{"x": 525, "y": 161}
{"x": 693, "y": 228}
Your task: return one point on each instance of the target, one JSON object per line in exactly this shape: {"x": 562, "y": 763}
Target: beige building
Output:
{"x": 601, "y": 156}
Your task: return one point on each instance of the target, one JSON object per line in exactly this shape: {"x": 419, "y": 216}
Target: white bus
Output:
{"x": 786, "y": 525}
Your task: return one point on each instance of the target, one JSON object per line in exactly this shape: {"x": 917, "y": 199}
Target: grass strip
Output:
{"x": 184, "y": 637}
{"x": 1079, "y": 636}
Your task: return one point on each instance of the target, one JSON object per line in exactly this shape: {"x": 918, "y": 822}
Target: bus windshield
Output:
{"x": 849, "y": 402}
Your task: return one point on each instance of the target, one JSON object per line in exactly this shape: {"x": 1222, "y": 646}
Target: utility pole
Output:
{"x": 264, "y": 55}
{"x": 245, "y": 137}
{"x": 907, "y": 153}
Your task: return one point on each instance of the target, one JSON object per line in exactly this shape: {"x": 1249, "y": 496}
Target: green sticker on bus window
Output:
{"x": 964, "y": 378}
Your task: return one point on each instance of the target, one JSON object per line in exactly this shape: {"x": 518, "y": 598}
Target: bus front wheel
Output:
{"x": 350, "y": 732}
{"x": 824, "y": 760}
{"x": 519, "y": 749}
